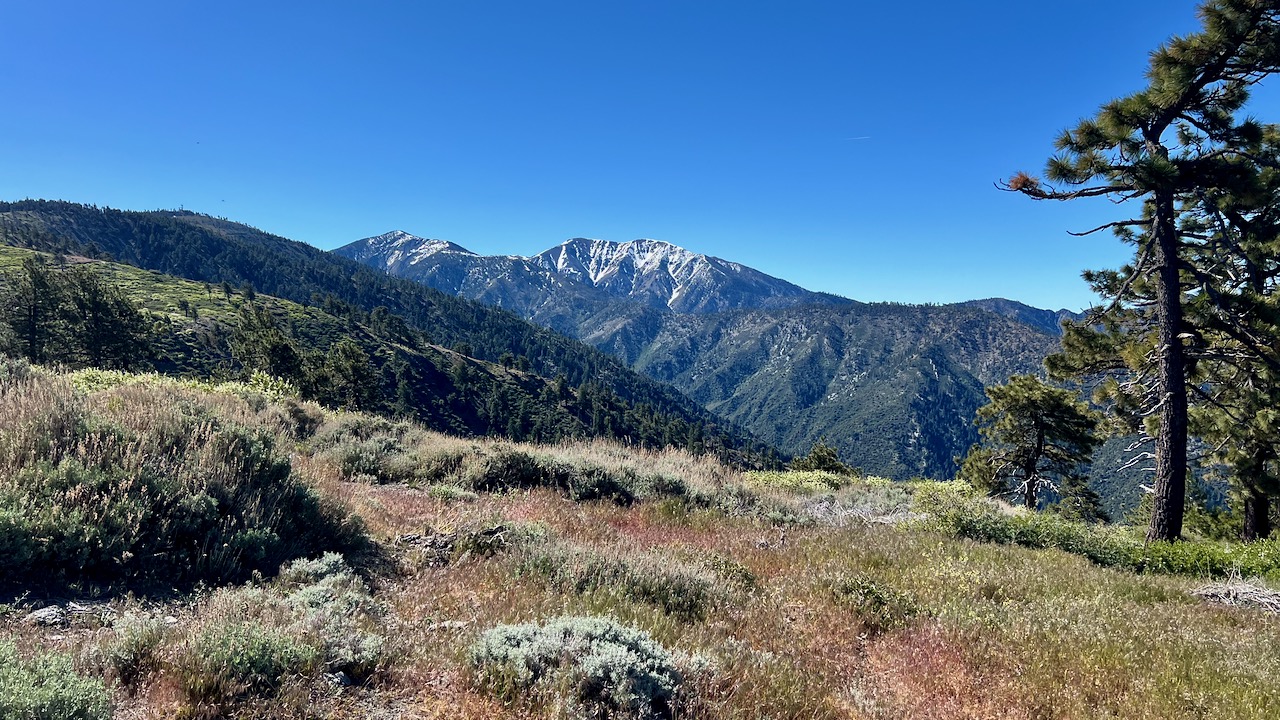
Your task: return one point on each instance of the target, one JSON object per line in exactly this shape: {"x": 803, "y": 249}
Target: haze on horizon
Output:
{"x": 846, "y": 149}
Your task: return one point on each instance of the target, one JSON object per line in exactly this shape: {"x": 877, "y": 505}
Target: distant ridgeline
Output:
{"x": 893, "y": 387}
{"x": 212, "y": 298}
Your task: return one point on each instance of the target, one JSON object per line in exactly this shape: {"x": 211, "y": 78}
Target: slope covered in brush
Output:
{"x": 343, "y": 358}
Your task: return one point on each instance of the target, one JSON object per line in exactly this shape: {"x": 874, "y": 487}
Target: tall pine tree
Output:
{"x": 1163, "y": 147}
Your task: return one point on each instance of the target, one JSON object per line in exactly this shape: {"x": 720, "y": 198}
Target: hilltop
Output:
{"x": 424, "y": 576}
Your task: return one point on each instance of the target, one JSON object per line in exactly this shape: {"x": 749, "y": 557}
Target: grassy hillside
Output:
{"x": 209, "y": 250}
{"x": 206, "y": 330}
{"x": 589, "y": 580}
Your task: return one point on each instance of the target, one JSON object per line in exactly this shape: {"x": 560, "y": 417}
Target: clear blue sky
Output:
{"x": 849, "y": 147}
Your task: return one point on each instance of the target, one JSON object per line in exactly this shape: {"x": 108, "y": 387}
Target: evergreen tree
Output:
{"x": 1235, "y": 321}
{"x": 1078, "y": 501}
{"x": 355, "y": 381}
{"x": 35, "y": 309}
{"x": 822, "y": 457}
{"x": 109, "y": 330}
{"x": 259, "y": 343}
{"x": 1032, "y": 434}
{"x": 1165, "y": 146}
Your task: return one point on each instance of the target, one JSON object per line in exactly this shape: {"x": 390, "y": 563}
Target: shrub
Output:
{"x": 299, "y": 420}
{"x": 507, "y": 469}
{"x": 381, "y": 457}
{"x": 593, "y": 482}
{"x": 732, "y": 572}
{"x": 333, "y": 606}
{"x": 595, "y": 665}
{"x": 441, "y": 466}
{"x": 960, "y": 514}
{"x": 134, "y": 649}
{"x": 155, "y": 484}
{"x": 451, "y": 493}
{"x": 47, "y": 687}
{"x": 862, "y": 500}
{"x": 356, "y": 426}
{"x": 799, "y": 481}
{"x": 234, "y": 658}
{"x": 253, "y": 640}
{"x": 680, "y": 591}
{"x": 879, "y": 607}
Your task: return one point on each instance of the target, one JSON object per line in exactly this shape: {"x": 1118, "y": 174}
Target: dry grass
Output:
{"x": 847, "y": 620}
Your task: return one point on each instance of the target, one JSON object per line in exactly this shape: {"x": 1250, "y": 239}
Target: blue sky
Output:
{"x": 848, "y": 147}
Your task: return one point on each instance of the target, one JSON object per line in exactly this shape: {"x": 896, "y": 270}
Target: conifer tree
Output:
{"x": 822, "y": 457}
{"x": 1032, "y": 435}
{"x": 110, "y": 331}
{"x": 35, "y": 309}
{"x": 1163, "y": 148}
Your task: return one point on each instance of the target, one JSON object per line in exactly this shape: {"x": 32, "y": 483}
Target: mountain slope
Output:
{"x": 211, "y": 250}
{"x": 652, "y": 273}
{"x": 1049, "y": 321}
{"x": 893, "y": 387}
{"x": 203, "y": 333}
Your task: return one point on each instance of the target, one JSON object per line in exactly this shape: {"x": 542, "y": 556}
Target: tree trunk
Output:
{"x": 1029, "y": 472}
{"x": 1171, "y": 439}
{"x": 1257, "y": 515}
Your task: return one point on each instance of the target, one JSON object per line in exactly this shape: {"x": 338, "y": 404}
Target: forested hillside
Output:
{"x": 893, "y": 387}
{"x": 348, "y": 347}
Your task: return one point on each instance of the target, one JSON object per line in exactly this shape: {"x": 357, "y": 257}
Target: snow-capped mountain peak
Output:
{"x": 398, "y": 247}
{"x": 651, "y": 272}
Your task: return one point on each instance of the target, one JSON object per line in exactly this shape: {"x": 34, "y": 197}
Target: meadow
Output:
{"x": 230, "y": 551}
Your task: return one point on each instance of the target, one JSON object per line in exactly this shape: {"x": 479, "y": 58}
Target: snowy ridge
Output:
{"x": 398, "y": 247}
{"x": 651, "y": 272}
{"x": 660, "y": 273}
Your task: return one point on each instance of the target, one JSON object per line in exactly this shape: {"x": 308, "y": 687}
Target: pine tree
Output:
{"x": 1078, "y": 501}
{"x": 109, "y": 329}
{"x": 1032, "y": 435}
{"x": 355, "y": 380}
{"x": 35, "y": 309}
{"x": 821, "y": 457}
{"x": 1164, "y": 147}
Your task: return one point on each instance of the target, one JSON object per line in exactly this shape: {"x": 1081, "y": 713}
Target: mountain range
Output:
{"x": 893, "y": 387}
{"x": 463, "y": 367}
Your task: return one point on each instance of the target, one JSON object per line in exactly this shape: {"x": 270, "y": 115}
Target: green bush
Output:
{"x": 805, "y": 482}
{"x": 300, "y": 420}
{"x": 680, "y": 591}
{"x": 960, "y": 514}
{"x": 507, "y": 469}
{"x": 243, "y": 657}
{"x": 596, "y": 666}
{"x": 319, "y": 616}
{"x": 47, "y": 687}
{"x": 879, "y": 607}
{"x": 133, "y": 651}
{"x": 333, "y": 606}
{"x": 732, "y": 572}
{"x": 451, "y": 493}
{"x": 441, "y": 467}
{"x": 166, "y": 490}
{"x": 349, "y": 427}
{"x": 381, "y": 457}
{"x": 593, "y": 482}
